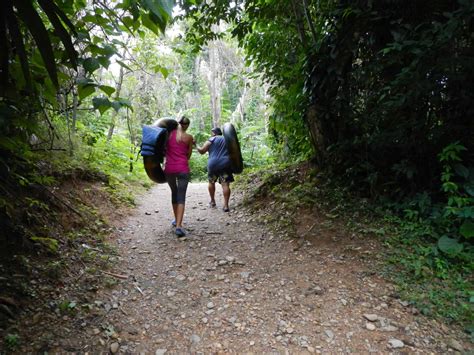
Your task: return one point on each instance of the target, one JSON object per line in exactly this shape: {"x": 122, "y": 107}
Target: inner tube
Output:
{"x": 233, "y": 146}
{"x": 153, "y": 163}
{"x": 169, "y": 123}
{"x": 153, "y": 168}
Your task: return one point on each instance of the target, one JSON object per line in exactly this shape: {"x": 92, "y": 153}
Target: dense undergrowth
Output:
{"x": 436, "y": 278}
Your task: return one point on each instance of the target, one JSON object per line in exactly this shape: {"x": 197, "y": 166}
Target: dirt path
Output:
{"x": 232, "y": 286}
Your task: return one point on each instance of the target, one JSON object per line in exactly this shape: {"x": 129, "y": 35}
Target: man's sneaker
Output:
{"x": 173, "y": 223}
{"x": 180, "y": 232}
{"x": 212, "y": 204}
{"x": 226, "y": 209}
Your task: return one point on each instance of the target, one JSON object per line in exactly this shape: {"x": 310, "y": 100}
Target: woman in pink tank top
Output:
{"x": 178, "y": 151}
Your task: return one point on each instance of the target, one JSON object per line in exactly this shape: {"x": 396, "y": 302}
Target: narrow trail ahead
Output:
{"x": 233, "y": 286}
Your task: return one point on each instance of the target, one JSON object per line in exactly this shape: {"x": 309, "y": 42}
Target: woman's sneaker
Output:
{"x": 180, "y": 232}
{"x": 173, "y": 223}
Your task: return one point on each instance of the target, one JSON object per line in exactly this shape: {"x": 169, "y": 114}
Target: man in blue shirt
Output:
{"x": 218, "y": 166}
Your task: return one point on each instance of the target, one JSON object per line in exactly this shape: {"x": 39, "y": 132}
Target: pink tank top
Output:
{"x": 176, "y": 156}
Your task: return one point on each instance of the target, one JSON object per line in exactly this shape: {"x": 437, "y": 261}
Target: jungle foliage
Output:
{"x": 380, "y": 94}
{"x": 383, "y": 87}
{"x": 51, "y": 54}
{"x": 80, "y": 79}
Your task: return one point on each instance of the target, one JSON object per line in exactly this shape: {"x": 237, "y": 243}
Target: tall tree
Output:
{"x": 215, "y": 85}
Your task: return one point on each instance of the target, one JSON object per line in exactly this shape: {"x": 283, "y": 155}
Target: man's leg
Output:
{"x": 212, "y": 193}
{"x": 226, "y": 193}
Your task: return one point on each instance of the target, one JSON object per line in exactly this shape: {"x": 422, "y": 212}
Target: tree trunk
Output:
{"x": 118, "y": 89}
{"x": 299, "y": 21}
{"x": 239, "y": 112}
{"x": 310, "y": 22}
{"x": 68, "y": 123}
{"x": 196, "y": 92}
{"x": 75, "y": 104}
{"x": 214, "y": 83}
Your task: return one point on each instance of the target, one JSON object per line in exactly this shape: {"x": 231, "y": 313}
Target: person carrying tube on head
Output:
{"x": 178, "y": 151}
{"x": 218, "y": 166}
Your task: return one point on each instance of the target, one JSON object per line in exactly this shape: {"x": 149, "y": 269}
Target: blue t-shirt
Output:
{"x": 219, "y": 160}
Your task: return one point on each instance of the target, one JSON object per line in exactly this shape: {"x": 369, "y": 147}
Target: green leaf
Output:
{"x": 160, "y": 69}
{"x": 469, "y": 189}
{"x": 102, "y": 104}
{"x": 116, "y": 106}
{"x": 104, "y": 61}
{"x": 85, "y": 90}
{"x": 84, "y": 81}
{"x": 109, "y": 90}
{"x": 36, "y": 27}
{"x": 467, "y": 229}
{"x": 148, "y": 23}
{"x": 158, "y": 21}
{"x": 18, "y": 40}
{"x": 125, "y": 102}
{"x": 50, "y": 243}
{"x": 121, "y": 102}
{"x": 154, "y": 7}
{"x": 62, "y": 15}
{"x": 91, "y": 64}
{"x": 51, "y": 10}
{"x": 461, "y": 170}
{"x": 449, "y": 245}
{"x": 167, "y": 6}
{"x": 122, "y": 64}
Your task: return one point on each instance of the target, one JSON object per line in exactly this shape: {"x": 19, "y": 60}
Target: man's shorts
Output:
{"x": 223, "y": 176}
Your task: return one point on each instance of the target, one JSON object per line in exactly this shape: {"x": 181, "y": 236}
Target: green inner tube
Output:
{"x": 232, "y": 142}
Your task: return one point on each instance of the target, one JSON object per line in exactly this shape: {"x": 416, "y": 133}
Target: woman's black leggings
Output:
{"x": 178, "y": 184}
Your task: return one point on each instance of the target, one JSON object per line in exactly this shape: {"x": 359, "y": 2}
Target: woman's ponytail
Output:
{"x": 183, "y": 121}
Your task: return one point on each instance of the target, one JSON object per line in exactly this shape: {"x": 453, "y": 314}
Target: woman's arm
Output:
{"x": 204, "y": 148}
{"x": 190, "y": 145}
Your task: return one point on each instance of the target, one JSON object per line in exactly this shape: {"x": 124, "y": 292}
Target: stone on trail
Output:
{"x": 195, "y": 338}
{"x": 114, "y": 347}
{"x": 454, "y": 344}
{"x": 389, "y": 328}
{"x": 371, "y": 317}
{"x": 395, "y": 343}
{"x": 329, "y": 334}
{"x": 245, "y": 274}
{"x": 370, "y": 326}
{"x": 161, "y": 351}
